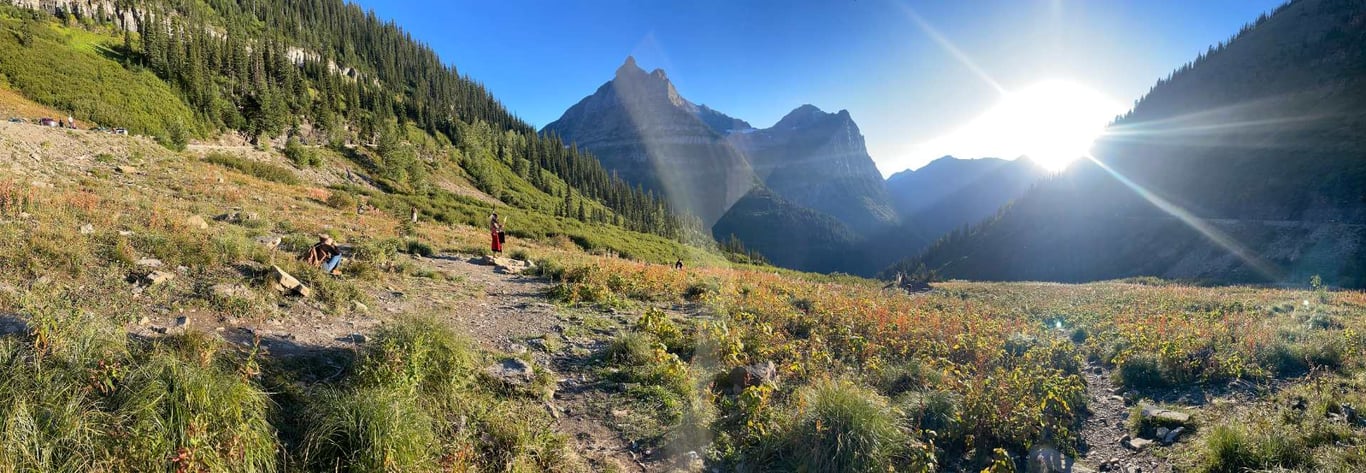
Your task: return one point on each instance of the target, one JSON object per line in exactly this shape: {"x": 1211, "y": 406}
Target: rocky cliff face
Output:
{"x": 127, "y": 18}
{"x": 638, "y": 125}
{"x": 818, "y": 160}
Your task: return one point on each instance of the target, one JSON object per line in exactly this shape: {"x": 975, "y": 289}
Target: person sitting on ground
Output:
{"x": 325, "y": 254}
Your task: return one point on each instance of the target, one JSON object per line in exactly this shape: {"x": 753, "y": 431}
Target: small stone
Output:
{"x": 1173, "y": 435}
{"x": 1157, "y": 413}
{"x": 358, "y": 338}
{"x": 125, "y": 169}
{"x": 144, "y": 320}
{"x": 182, "y": 321}
{"x": 517, "y": 349}
{"x": 197, "y": 222}
{"x": 87, "y": 229}
{"x": 148, "y": 263}
{"x": 359, "y": 307}
{"x": 1137, "y": 444}
{"x": 511, "y": 371}
{"x": 1098, "y": 370}
{"x": 157, "y": 277}
{"x": 270, "y": 242}
{"x": 1162, "y": 432}
{"x": 160, "y": 330}
{"x": 125, "y": 233}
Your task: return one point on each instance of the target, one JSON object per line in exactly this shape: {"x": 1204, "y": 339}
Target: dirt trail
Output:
{"x": 1102, "y": 433}
{"x": 510, "y": 313}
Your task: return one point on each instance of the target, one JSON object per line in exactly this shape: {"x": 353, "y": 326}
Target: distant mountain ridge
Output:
{"x": 819, "y": 160}
{"x": 1247, "y": 165}
{"x": 812, "y": 168}
{"x": 949, "y": 192}
{"x": 639, "y": 126}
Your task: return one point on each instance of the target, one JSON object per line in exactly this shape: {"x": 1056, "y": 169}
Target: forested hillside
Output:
{"x": 1246, "y": 165}
{"x": 318, "y": 72}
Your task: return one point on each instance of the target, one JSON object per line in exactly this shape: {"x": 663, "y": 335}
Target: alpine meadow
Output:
{"x": 991, "y": 236}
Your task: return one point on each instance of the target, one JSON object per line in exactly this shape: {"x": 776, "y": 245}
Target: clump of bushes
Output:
{"x": 75, "y": 395}
{"x": 416, "y": 401}
{"x": 843, "y": 427}
{"x": 264, "y": 171}
{"x": 301, "y": 155}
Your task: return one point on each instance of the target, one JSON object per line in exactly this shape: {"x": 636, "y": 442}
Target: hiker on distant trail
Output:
{"x": 325, "y": 254}
{"x": 496, "y": 232}
{"x": 679, "y": 264}
{"x": 70, "y": 122}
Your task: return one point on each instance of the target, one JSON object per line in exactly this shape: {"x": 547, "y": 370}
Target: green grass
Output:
{"x": 264, "y": 171}
{"x": 842, "y": 427}
{"x": 63, "y": 68}
{"x": 76, "y": 396}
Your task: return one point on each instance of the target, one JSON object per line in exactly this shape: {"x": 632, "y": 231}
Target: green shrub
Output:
{"x": 341, "y": 200}
{"x": 415, "y": 247}
{"x": 1240, "y": 448}
{"x": 264, "y": 171}
{"x": 935, "y": 411}
{"x": 376, "y": 429}
{"x": 842, "y": 427}
{"x": 301, "y": 155}
{"x": 205, "y": 417}
{"x": 1142, "y": 371}
{"x": 74, "y": 396}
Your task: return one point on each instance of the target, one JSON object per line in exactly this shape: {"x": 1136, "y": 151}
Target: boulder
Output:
{"x": 284, "y": 283}
{"x": 511, "y": 372}
{"x": 752, "y": 375}
{"x": 1173, "y": 435}
{"x": 197, "y": 222}
{"x": 1165, "y": 416}
{"x": 157, "y": 277}
{"x": 271, "y": 242}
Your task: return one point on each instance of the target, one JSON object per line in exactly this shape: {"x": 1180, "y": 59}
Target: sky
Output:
{"x": 919, "y": 77}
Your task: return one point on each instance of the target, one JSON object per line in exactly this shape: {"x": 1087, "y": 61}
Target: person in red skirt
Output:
{"x": 496, "y": 231}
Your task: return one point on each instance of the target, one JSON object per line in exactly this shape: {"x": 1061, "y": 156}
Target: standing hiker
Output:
{"x": 496, "y": 232}
{"x": 679, "y": 265}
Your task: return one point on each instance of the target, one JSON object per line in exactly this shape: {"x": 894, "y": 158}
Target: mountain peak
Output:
{"x": 630, "y": 68}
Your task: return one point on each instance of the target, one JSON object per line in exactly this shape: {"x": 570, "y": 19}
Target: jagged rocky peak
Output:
{"x": 808, "y": 115}
{"x": 629, "y": 67}
{"x": 633, "y": 82}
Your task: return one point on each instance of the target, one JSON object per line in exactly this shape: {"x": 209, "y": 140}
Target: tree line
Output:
{"x": 266, "y": 67}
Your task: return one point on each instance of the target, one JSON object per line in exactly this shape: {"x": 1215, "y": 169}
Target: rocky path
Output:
{"x": 510, "y": 313}
{"x": 1104, "y": 433}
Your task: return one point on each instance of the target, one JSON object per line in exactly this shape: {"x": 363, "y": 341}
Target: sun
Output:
{"x": 1053, "y": 123}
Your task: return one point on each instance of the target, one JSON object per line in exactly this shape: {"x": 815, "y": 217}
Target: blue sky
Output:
{"x": 759, "y": 59}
